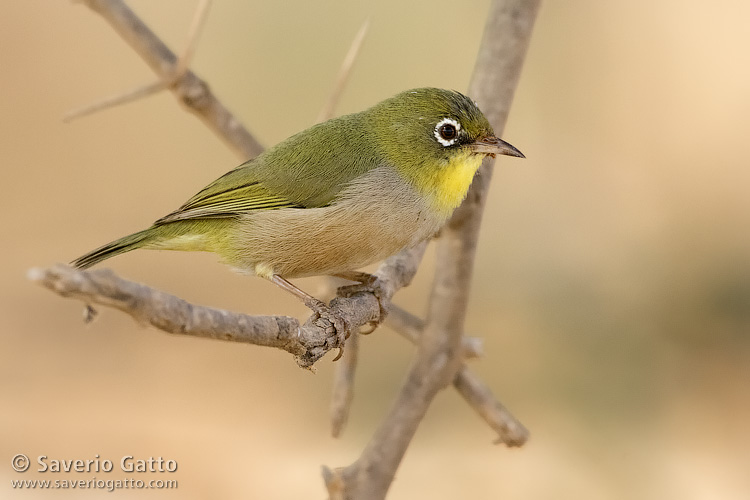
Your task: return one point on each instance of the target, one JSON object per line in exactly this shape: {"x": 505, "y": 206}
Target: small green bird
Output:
{"x": 336, "y": 197}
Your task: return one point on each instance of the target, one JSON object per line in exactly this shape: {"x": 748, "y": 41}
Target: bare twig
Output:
{"x": 343, "y": 385}
{"x": 116, "y": 100}
{"x": 346, "y": 68}
{"x": 308, "y": 342}
{"x": 142, "y": 91}
{"x": 509, "y": 430}
{"x": 438, "y": 359}
{"x": 199, "y": 20}
{"x": 411, "y": 327}
{"x": 172, "y": 314}
{"x": 188, "y": 88}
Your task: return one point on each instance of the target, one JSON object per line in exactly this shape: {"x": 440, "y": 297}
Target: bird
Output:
{"x": 335, "y": 197}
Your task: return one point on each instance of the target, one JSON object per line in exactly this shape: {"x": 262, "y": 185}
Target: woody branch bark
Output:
{"x": 189, "y": 89}
{"x": 475, "y": 392}
{"x": 308, "y": 342}
{"x": 438, "y": 358}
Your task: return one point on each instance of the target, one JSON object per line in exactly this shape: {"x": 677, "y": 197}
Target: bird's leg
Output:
{"x": 307, "y": 299}
{"x": 333, "y": 325}
{"x": 365, "y": 283}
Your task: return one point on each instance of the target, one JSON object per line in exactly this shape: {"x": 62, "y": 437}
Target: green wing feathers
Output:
{"x": 227, "y": 202}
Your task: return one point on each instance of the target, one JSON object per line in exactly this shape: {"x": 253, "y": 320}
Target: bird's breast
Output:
{"x": 375, "y": 216}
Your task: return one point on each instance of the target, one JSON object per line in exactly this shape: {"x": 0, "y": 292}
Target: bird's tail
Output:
{"x": 124, "y": 244}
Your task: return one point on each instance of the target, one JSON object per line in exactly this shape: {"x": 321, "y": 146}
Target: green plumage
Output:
{"x": 116, "y": 247}
{"x": 334, "y": 197}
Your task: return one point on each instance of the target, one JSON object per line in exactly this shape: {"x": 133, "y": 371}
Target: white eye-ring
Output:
{"x": 446, "y": 131}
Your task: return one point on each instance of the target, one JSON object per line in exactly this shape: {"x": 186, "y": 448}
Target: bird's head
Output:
{"x": 437, "y": 140}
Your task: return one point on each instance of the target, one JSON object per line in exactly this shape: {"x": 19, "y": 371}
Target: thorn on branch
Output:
{"x": 173, "y": 73}
{"x": 170, "y": 80}
{"x": 343, "y": 385}
{"x": 344, "y": 72}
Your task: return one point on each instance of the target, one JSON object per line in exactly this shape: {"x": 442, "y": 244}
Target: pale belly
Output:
{"x": 354, "y": 232}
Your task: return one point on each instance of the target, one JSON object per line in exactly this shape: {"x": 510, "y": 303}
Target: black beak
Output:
{"x": 492, "y": 145}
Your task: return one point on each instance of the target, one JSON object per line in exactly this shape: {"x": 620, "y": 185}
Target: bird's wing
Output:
{"x": 305, "y": 171}
{"x": 231, "y": 195}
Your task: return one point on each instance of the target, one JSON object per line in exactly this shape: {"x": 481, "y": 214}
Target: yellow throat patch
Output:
{"x": 448, "y": 185}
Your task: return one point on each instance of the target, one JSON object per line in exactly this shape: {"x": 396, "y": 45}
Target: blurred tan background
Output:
{"x": 613, "y": 283}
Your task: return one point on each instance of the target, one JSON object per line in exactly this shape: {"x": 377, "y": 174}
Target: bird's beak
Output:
{"x": 491, "y": 145}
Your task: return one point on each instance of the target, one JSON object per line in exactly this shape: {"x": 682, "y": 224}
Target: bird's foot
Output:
{"x": 336, "y": 328}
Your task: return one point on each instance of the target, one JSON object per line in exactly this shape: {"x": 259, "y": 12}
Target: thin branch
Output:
{"x": 476, "y": 393}
{"x": 343, "y": 385}
{"x": 308, "y": 342}
{"x": 189, "y": 89}
{"x": 199, "y": 20}
{"x": 510, "y": 430}
{"x": 411, "y": 327}
{"x": 116, "y": 100}
{"x": 438, "y": 359}
{"x": 172, "y": 314}
{"x": 344, "y": 72}
{"x": 142, "y": 91}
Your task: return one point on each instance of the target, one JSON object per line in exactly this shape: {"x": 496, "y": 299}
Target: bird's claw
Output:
{"x": 336, "y": 328}
{"x": 339, "y": 354}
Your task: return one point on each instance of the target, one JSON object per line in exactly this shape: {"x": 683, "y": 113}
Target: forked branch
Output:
{"x": 193, "y": 92}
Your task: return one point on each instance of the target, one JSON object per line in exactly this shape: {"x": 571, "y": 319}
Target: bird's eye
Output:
{"x": 446, "y": 131}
